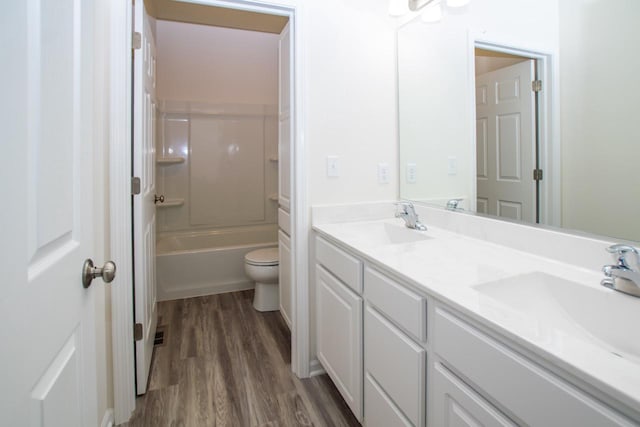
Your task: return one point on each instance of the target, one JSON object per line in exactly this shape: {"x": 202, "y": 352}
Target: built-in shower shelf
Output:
{"x": 273, "y": 197}
{"x": 273, "y": 159}
{"x": 168, "y": 203}
{"x": 170, "y": 160}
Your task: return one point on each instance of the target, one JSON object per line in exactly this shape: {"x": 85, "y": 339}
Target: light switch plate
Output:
{"x": 383, "y": 173}
{"x": 411, "y": 173}
{"x": 452, "y": 165}
{"x": 333, "y": 166}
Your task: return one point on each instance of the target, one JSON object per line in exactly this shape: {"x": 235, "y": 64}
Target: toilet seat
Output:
{"x": 262, "y": 257}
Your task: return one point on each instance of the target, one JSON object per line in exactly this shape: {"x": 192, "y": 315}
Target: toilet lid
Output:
{"x": 267, "y": 256}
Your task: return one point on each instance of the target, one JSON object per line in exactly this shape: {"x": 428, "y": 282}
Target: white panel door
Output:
{"x": 47, "y": 318}
{"x": 505, "y": 142}
{"x": 144, "y": 210}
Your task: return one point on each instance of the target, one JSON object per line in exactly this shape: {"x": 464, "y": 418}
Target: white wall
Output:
{"x": 600, "y": 110}
{"x": 349, "y": 94}
{"x": 439, "y": 116}
{"x": 350, "y": 99}
{"x": 216, "y": 65}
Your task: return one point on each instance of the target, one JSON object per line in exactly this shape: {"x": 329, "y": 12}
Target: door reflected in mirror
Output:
{"x": 526, "y": 112}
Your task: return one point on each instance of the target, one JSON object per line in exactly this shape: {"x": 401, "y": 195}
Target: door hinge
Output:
{"x": 536, "y": 85}
{"x": 136, "y": 40}
{"x": 135, "y": 185}
{"x": 537, "y": 174}
{"x": 137, "y": 332}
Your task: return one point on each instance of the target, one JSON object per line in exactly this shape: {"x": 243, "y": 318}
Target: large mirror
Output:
{"x": 473, "y": 126}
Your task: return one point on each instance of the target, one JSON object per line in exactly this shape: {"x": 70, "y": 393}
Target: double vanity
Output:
{"x": 440, "y": 328}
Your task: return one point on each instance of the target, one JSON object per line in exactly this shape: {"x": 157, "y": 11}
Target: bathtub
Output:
{"x": 190, "y": 264}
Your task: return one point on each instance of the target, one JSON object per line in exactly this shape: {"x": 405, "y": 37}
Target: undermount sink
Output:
{"x": 607, "y": 318}
{"x": 386, "y": 233}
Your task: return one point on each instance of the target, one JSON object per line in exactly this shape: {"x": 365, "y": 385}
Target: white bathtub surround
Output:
{"x": 469, "y": 262}
{"x": 220, "y": 162}
{"x": 190, "y": 264}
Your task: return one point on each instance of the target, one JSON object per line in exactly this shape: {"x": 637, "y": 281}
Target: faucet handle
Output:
{"x": 621, "y": 251}
{"x": 452, "y": 204}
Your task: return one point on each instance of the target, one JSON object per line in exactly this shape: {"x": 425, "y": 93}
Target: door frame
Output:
{"x": 549, "y": 151}
{"x": 120, "y": 194}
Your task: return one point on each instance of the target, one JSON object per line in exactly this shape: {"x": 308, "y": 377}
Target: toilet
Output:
{"x": 262, "y": 267}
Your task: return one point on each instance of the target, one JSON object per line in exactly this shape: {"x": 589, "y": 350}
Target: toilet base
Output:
{"x": 266, "y": 297}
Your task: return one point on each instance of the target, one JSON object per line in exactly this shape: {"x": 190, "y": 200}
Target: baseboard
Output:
{"x": 315, "y": 368}
{"x": 285, "y": 317}
{"x": 108, "y": 420}
{"x": 209, "y": 289}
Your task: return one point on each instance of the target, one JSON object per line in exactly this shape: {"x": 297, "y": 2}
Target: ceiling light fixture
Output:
{"x": 416, "y": 5}
{"x": 457, "y": 3}
{"x": 398, "y": 7}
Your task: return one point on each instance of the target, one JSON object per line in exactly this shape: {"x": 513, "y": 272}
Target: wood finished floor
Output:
{"x": 225, "y": 364}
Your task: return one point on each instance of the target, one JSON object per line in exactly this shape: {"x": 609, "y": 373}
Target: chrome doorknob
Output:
{"x": 157, "y": 199}
{"x": 90, "y": 272}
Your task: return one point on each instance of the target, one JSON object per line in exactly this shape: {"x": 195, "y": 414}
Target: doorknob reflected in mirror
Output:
{"x": 90, "y": 272}
{"x": 157, "y": 199}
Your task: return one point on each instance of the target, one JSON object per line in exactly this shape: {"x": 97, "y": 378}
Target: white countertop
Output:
{"x": 448, "y": 265}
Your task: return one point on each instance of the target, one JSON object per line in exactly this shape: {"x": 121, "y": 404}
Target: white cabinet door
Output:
{"x": 49, "y": 177}
{"x": 339, "y": 331}
{"x": 456, "y": 405}
{"x": 379, "y": 409}
{"x": 284, "y": 248}
{"x": 144, "y": 209}
{"x": 284, "y": 120}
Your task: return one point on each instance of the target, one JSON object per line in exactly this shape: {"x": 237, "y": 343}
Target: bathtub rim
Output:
{"x": 271, "y": 228}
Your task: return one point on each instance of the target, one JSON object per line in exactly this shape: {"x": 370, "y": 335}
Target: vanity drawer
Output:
{"x": 342, "y": 265}
{"x": 407, "y": 309}
{"x": 531, "y": 394}
{"x": 397, "y": 364}
{"x": 379, "y": 409}
{"x": 455, "y": 404}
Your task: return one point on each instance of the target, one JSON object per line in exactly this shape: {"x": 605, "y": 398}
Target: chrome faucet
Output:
{"x": 454, "y": 204}
{"x": 406, "y": 211}
{"x": 622, "y": 277}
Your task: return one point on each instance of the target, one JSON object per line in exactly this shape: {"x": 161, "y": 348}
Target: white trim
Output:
{"x": 204, "y": 289}
{"x": 315, "y": 368}
{"x": 120, "y": 210}
{"x": 108, "y": 420}
{"x": 301, "y": 212}
{"x": 548, "y": 122}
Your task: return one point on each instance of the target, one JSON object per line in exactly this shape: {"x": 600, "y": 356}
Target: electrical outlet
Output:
{"x": 383, "y": 173}
{"x": 411, "y": 173}
{"x": 333, "y": 166}
{"x": 452, "y": 165}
